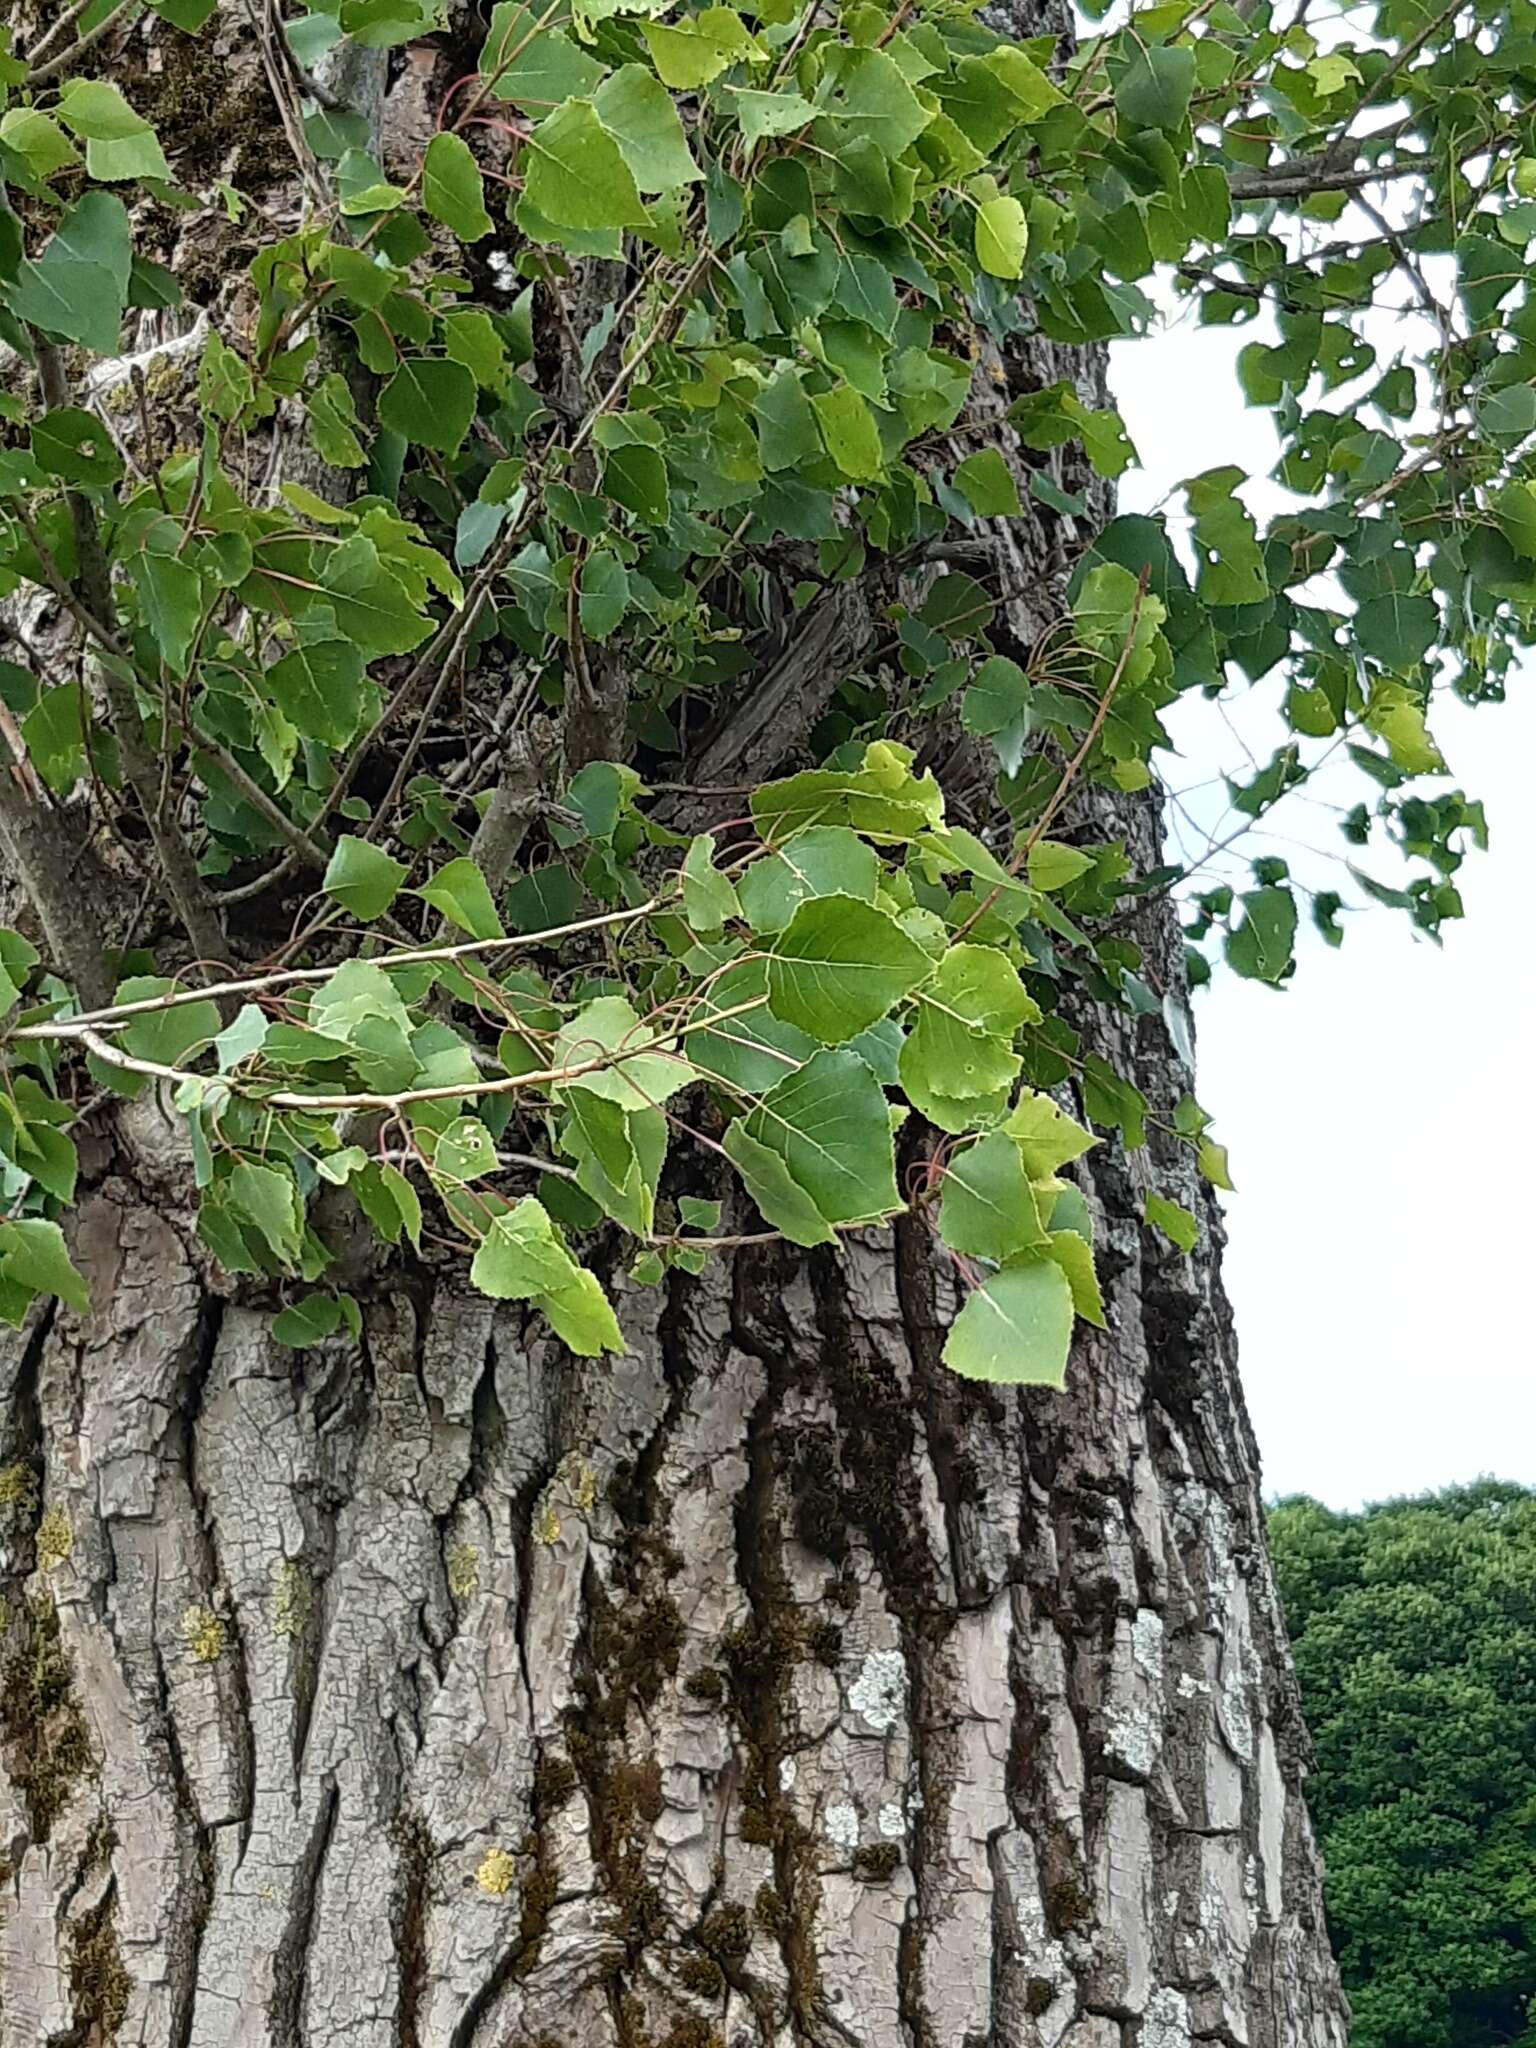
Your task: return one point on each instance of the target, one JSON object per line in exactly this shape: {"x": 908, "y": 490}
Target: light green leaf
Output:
{"x": 1046, "y": 1136}
{"x": 1002, "y": 237}
{"x": 691, "y": 52}
{"x": 825, "y": 860}
{"x": 1074, "y": 1254}
{"x": 1051, "y": 865}
{"x": 638, "y": 1072}
{"x": 839, "y": 965}
{"x": 459, "y": 891}
{"x": 118, "y": 142}
{"x": 522, "y": 1257}
{"x": 33, "y": 1255}
{"x": 959, "y": 1052}
{"x": 762, "y": 114}
{"x": 709, "y": 901}
{"x": 638, "y": 112}
{"x": 989, "y": 1209}
{"x": 465, "y": 1151}
{"x": 1173, "y": 1220}
{"x": 363, "y": 878}
{"x": 1016, "y": 1328}
{"x": 849, "y": 432}
{"x": 575, "y": 173}
{"x": 451, "y": 188}
{"x": 986, "y": 483}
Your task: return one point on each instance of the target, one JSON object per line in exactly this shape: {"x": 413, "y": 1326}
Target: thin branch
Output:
{"x": 288, "y": 977}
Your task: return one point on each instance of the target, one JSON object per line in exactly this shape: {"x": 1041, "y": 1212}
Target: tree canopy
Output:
{"x": 1414, "y": 1629}
{"x": 722, "y": 417}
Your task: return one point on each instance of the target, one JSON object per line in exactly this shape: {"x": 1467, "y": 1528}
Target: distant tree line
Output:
{"x": 1414, "y": 1626}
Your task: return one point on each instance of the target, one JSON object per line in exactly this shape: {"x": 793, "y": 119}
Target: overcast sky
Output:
{"x": 1380, "y": 1111}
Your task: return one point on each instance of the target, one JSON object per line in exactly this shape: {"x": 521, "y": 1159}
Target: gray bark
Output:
{"x": 767, "y": 1686}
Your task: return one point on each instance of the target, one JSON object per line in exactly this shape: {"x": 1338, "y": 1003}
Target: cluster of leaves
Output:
{"x": 837, "y": 223}
{"x": 1414, "y": 1627}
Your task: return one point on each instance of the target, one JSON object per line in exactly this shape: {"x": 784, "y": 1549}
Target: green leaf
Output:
{"x": 830, "y": 1127}
{"x": 1046, "y": 1136}
{"x": 538, "y": 67}
{"x": 78, "y": 287}
{"x": 639, "y": 1072}
{"x": 118, "y": 142}
{"x": 691, "y": 52}
{"x": 784, "y": 1204}
{"x": 267, "y": 1200}
{"x": 709, "y": 901}
{"x": 960, "y": 1049}
{"x": 849, "y": 432}
{"x": 986, "y": 483}
{"x": 33, "y": 1255}
{"x": 370, "y": 606}
{"x": 575, "y": 173}
{"x": 839, "y": 965}
{"x": 18, "y": 956}
{"x": 1260, "y": 948}
{"x": 989, "y": 1209}
{"x": 749, "y": 1051}
{"x": 171, "y": 600}
{"x": 762, "y": 114}
{"x": 1173, "y": 1220}
{"x": 1074, "y": 1255}
{"x": 825, "y": 860}
{"x": 638, "y": 112}
{"x": 1397, "y": 629}
{"x": 522, "y": 1257}
{"x": 1016, "y": 1328}
{"x": 39, "y": 139}
{"x": 73, "y": 444}
{"x": 429, "y": 400}
{"x": 1002, "y": 237}
{"x": 1052, "y": 865}
{"x": 307, "y": 1321}
{"x": 363, "y": 878}
{"x": 460, "y": 892}
{"x": 1153, "y": 90}
{"x": 451, "y": 188}
{"x": 465, "y": 1151}
{"x": 320, "y": 687}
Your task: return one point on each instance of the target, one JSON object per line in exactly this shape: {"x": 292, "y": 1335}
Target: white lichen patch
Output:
{"x": 1147, "y": 1643}
{"x": 841, "y": 1824}
{"x": 1166, "y": 2021}
{"x": 789, "y": 1770}
{"x": 1190, "y": 1687}
{"x": 879, "y": 1693}
{"x": 891, "y": 1821}
{"x": 1132, "y": 1738}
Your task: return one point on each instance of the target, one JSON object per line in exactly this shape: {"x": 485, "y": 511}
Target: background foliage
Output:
{"x": 1414, "y": 1628}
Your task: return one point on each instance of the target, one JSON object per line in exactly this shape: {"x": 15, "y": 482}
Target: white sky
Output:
{"x": 1379, "y": 1111}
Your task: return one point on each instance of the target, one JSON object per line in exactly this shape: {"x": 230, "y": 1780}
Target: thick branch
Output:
{"x": 44, "y": 857}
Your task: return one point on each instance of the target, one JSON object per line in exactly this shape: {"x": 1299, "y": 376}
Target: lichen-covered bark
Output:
{"x": 767, "y": 1686}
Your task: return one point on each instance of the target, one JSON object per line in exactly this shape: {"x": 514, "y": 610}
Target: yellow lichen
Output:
{"x": 55, "y": 1538}
{"x": 496, "y": 1873}
{"x": 580, "y": 1482}
{"x": 290, "y": 1599}
{"x": 463, "y": 1571}
{"x": 204, "y": 1633}
{"x": 18, "y": 1487}
{"x": 546, "y": 1523}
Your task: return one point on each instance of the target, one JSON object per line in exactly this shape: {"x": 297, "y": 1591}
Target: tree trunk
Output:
{"x": 768, "y": 1686}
